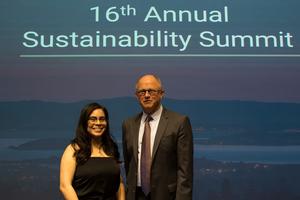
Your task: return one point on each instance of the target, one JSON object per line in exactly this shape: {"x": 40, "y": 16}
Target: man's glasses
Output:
{"x": 95, "y": 119}
{"x": 150, "y": 92}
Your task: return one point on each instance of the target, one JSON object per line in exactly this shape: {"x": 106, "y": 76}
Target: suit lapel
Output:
{"x": 135, "y": 136}
{"x": 160, "y": 131}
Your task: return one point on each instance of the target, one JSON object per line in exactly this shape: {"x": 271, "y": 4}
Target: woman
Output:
{"x": 89, "y": 166}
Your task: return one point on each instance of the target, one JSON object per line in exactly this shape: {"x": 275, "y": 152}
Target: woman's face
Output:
{"x": 97, "y": 123}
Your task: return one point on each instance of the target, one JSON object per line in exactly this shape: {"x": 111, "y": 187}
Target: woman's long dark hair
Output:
{"x": 82, "y": 141}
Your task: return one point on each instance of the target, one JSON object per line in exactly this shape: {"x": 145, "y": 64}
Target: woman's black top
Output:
{"x": 98, "y": 178}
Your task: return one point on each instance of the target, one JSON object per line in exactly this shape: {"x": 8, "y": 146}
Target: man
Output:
{"x": 169, "y": 175}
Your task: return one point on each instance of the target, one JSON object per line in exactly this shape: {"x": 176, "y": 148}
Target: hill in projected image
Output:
{"x": 220, "y": 122}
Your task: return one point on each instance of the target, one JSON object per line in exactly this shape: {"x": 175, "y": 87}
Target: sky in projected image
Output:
{"x": 219, "y": 79}
{"x": 254, "y": 78}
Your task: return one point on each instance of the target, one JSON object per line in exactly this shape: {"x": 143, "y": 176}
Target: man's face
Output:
{"x": 149, "y": 93}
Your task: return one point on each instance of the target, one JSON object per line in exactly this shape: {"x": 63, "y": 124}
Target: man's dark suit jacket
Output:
{"x": 172, "y": 157}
